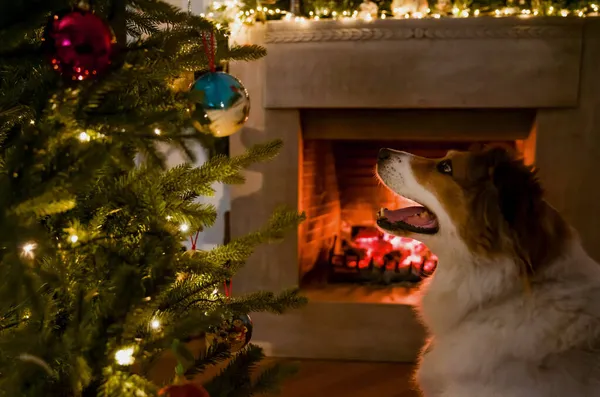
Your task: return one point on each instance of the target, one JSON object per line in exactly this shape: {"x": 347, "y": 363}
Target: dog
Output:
{"x": 513, "y": 308}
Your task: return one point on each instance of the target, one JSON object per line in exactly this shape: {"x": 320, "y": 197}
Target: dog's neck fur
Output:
{"x": 453, "y": 291}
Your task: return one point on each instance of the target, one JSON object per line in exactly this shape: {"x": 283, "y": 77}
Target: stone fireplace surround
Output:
{"x": 535, "y": 81}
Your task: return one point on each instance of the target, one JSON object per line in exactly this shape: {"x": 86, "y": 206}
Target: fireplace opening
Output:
{"x": 339, "y": 243}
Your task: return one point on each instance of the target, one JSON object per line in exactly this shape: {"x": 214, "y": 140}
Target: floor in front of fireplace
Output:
{"x": 322, "y": 378}
{"x": 355, "y": 293}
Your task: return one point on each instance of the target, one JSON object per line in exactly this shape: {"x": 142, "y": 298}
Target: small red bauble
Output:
{"x": 185, "y": 390}
{"x": 80, "y": 44}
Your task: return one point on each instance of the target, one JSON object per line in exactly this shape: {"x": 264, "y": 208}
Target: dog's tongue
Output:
{"x": 416, "y": 216}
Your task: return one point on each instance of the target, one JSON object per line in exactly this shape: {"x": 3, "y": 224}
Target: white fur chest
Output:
{"x": 493, "y": 341}
{"x": 460, "y": 287}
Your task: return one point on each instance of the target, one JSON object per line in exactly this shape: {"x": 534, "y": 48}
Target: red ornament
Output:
{"x": 80, "y": 44}
{"x": 185, "y": 390}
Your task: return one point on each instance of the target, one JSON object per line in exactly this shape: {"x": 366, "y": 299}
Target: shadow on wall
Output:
{"x": 252, "y": 205}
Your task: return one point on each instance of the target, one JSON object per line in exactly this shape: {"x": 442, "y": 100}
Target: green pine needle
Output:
{"x": 271, "y": 378}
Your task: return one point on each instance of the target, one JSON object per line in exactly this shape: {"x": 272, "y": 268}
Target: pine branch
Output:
{"x": 258, "y": 153}
{"x": 182, "y": 290}
{"x": 246, "y": 53}
{"x": 140, "y": 24}
{"x": 49, "y": 203}
{"x": 197, "y": 215}
{"x": 234, "y": 380}
{"x": 270, "y": 379}
{"x": 267, "y": 301}
{"x": 239, "y": 250}
{"x": 159, "y": 12}
{"x": 120, "y": 383}
{"x": 14, "y": 115}
{"x": 216, "y": 353}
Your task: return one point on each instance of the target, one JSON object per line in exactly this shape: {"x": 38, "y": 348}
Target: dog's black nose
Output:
{"x": 384, "y": 154}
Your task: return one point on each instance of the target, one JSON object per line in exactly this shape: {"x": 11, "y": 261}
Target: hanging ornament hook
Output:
{"x": 210, "y": 49}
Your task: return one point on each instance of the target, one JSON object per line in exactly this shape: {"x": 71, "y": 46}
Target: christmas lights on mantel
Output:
{"x": 235, "y": 14}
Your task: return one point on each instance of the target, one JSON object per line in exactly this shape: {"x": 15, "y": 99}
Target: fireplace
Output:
{"x": 339, "y": 243}
{"x": 336, "y": 92}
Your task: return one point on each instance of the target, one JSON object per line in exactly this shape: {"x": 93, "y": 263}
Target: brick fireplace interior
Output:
{"x": 342, "y": 255}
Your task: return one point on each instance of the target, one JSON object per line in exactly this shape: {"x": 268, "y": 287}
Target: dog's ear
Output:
{"x": 491, "y": 206}
{"x": 481, "y": 162}
{"x": 520, "y": 194}
{"x": 536, "y": 230}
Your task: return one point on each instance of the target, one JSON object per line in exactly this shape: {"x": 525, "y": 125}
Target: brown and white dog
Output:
{"x": 513, "y": 309}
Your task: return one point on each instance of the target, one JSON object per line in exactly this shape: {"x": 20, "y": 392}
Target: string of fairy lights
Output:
{"x": 124, "y": 356}
{"x": 235, "y": 14}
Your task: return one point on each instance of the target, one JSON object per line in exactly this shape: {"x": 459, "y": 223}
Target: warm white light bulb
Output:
{"x": 84, "y": 137}
{"x": 184, "y": 227}
{"x": 73, "y": 238}
{"x": 31, "y": 122}
{"x": 124, "y": 356}
{"x": 155, "y": 324}
{"x": 157, "y": 131}
{"x": 28, "y": 249}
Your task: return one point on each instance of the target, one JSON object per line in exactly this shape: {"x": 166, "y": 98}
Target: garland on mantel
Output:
{"x": 236, "y": 13}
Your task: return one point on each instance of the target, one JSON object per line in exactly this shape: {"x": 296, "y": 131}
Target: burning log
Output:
{"x": 368, "y": 249}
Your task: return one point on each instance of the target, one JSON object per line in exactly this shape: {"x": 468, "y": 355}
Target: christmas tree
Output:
{"x": 96, "y": 286}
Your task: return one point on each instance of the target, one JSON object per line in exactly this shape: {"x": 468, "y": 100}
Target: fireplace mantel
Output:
{"x": 336, "y": 77}
{"x": 424, "y": 63}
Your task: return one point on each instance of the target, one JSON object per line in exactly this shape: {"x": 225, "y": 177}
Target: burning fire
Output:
{"x": 406, "y": 252}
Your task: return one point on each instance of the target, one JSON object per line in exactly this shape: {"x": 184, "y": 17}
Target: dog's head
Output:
{"x": 487, "y": 200}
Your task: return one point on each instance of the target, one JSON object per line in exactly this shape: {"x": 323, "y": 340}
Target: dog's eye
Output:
{"x": 445, "y": 167}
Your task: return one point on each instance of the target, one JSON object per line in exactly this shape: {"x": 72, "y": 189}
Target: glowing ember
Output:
{"x": 392, "y": 252}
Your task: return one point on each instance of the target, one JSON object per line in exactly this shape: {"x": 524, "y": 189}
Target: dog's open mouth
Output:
{"x": 415, "y": 218}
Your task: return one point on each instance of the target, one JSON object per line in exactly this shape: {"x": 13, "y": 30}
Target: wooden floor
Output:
{"x": 350, "y": 379}
{"x": 317, "y": 378}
